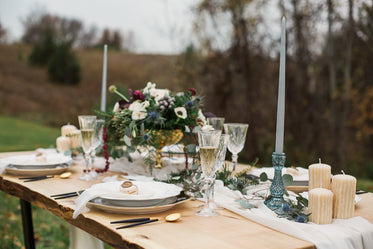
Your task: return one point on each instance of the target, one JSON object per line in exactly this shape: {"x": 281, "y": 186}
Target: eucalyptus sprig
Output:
{"x": 295, "y": 210}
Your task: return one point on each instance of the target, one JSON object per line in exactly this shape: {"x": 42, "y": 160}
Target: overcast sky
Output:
{"x": 160, "y": 26}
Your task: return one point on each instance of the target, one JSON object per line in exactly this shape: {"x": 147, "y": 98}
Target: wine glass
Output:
{"x": 208, "y": 148}
{"x": 237, "y": 136}
{"x": 97, "y": 137}
{"x": 222, "y": 151}
{"x": 217, "y": 123}
{"x": 87, "y": 125}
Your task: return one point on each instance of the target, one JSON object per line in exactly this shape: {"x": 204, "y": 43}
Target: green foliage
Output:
{"x": 43, "y": 50}
{"x": 295, "y": 210}
{"x": 63, "y": 66}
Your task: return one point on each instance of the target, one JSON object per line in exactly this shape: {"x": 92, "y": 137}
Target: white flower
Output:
{"x": 138, "y": 115}
{"x": 159, "y": 94}
{"x": 181, "y": 112}
{"x": 116, "y": 107}
{"x": 148, "y": 87}
{"x": 135, "y": 106}
{"x": 202, "y": 117}
{"x": 145, "y": 104}
{"x": 207, "y": 128}
{"x": 180, "y": 94}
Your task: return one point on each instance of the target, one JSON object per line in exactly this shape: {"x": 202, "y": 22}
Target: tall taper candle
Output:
{"x": 103, "y": 89}
{"x": 281, "y": 93}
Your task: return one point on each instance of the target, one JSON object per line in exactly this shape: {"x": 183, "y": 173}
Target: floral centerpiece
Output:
{"x": 151, "y": 117}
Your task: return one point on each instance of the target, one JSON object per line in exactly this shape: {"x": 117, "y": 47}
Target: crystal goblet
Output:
{"x": 97, "y": 137}
{"x": 217, "y": 123}
{"x": 87, "y": 125}
{"x": 237, "y": 136}
{"x": 208, "y": 145}
{"x": 222, "y": 151}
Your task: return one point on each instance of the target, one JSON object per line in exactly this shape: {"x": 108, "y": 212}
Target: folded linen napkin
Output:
{"x": 354, "y": 233}
{"x": 146, "y": 190}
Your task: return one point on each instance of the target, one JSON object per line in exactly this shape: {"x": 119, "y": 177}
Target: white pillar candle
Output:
{"x": 319, "y": 176}
{"x": 320, "y": 205}
{"x": 75, "y": 139}
{"x": 67, "y": 129}
{"x": 344, "y": 188}
{"x": 63, "y": 144}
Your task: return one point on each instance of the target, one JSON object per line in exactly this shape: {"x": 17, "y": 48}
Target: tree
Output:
{"x": 3, "y": 34}
{"x": 64, "y": 66}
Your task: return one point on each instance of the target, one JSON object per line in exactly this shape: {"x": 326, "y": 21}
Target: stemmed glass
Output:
{"x": 222, "y": 151}
{"x": 208, "y": 145}
{"x": 97, "y": 137}
{"x": 237, "y": 136}
{"x": 217, "y": 123}
{"x": 87, "y": 125}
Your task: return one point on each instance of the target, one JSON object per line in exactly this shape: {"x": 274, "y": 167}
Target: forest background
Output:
{"x": 232, "y": 61}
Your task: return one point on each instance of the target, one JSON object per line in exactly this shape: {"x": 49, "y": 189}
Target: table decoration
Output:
{"x": 320, "y": 205}
{"x": 343, "y": 188}
{"x": 276, "y": 200}
{"x": 108, "y": 194}
{"x": 319, "y": 176}
{"x": 208, "y": 142}
{"x": 75, "y": 139}
{"x": 67, "y": 129}
{"x": 237, "y": 137}
{"x": 87, "y": 126}
{"x": 152, "y": 118}
{"x": 63, "y": 144}
{"x": 353, "y": 233}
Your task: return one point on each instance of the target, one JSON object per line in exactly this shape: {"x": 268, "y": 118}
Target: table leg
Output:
{"x": 28, "y": 229}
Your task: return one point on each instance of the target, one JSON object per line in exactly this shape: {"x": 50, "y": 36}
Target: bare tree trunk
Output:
{"x": 347, "y": 84}
{"x": 332, "y": 78}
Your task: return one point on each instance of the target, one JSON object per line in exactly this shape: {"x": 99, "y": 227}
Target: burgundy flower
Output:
{"x": 193, "y": 91}
{"x": 138, "y": 95}
{"x": 123, "y": 104}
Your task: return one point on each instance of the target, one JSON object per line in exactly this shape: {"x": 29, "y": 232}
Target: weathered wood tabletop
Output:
{"x": 228, "y": 230}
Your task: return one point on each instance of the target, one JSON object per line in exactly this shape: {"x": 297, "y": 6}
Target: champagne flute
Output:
{"x": 208, "y": 145}
{"x": 217, "y": 123}
{"x": 237, "y": 136}
{"x": 87, "y": 125}
{"x": 222, "y": 151}
{"x": 97, "y": 137}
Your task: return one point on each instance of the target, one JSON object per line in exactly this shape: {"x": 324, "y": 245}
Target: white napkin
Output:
{"x": 146, "y": 190}
{"x": 302, "y": 173}
{"x": 354, "y": 233}
{"x": 2, "y": 167}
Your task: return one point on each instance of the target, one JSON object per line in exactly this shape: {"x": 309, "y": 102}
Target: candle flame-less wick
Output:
{"x": 319, "y": 160}
{"x": 343, "y": 172}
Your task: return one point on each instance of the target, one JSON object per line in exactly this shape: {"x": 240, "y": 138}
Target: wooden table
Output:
{"x": 228, "y": 230}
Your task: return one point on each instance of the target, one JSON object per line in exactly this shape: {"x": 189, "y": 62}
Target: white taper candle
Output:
{"x": 103, "y": 89}
{"x": 281, "y": 93}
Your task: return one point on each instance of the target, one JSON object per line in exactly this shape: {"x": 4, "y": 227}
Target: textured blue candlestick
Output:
{"x": 275, "y": 201}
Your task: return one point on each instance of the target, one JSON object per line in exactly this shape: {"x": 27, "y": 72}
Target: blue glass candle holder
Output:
{"x": 277, "y": 189}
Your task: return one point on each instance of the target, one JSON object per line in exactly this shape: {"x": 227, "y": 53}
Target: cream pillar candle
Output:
{"x": 320, "y": 205}
{"x": 75, "y": 139}
{"x": 67, "y": 129}
{"x": 63, "y": 144}
{"x": 319, "y": 176}
{"x": 344, "y": 188}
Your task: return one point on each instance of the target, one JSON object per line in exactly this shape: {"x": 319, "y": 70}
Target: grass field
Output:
{"x": 50, "y": 231}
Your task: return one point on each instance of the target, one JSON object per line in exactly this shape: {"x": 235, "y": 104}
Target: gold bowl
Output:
{"x": 163, "y": 138}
